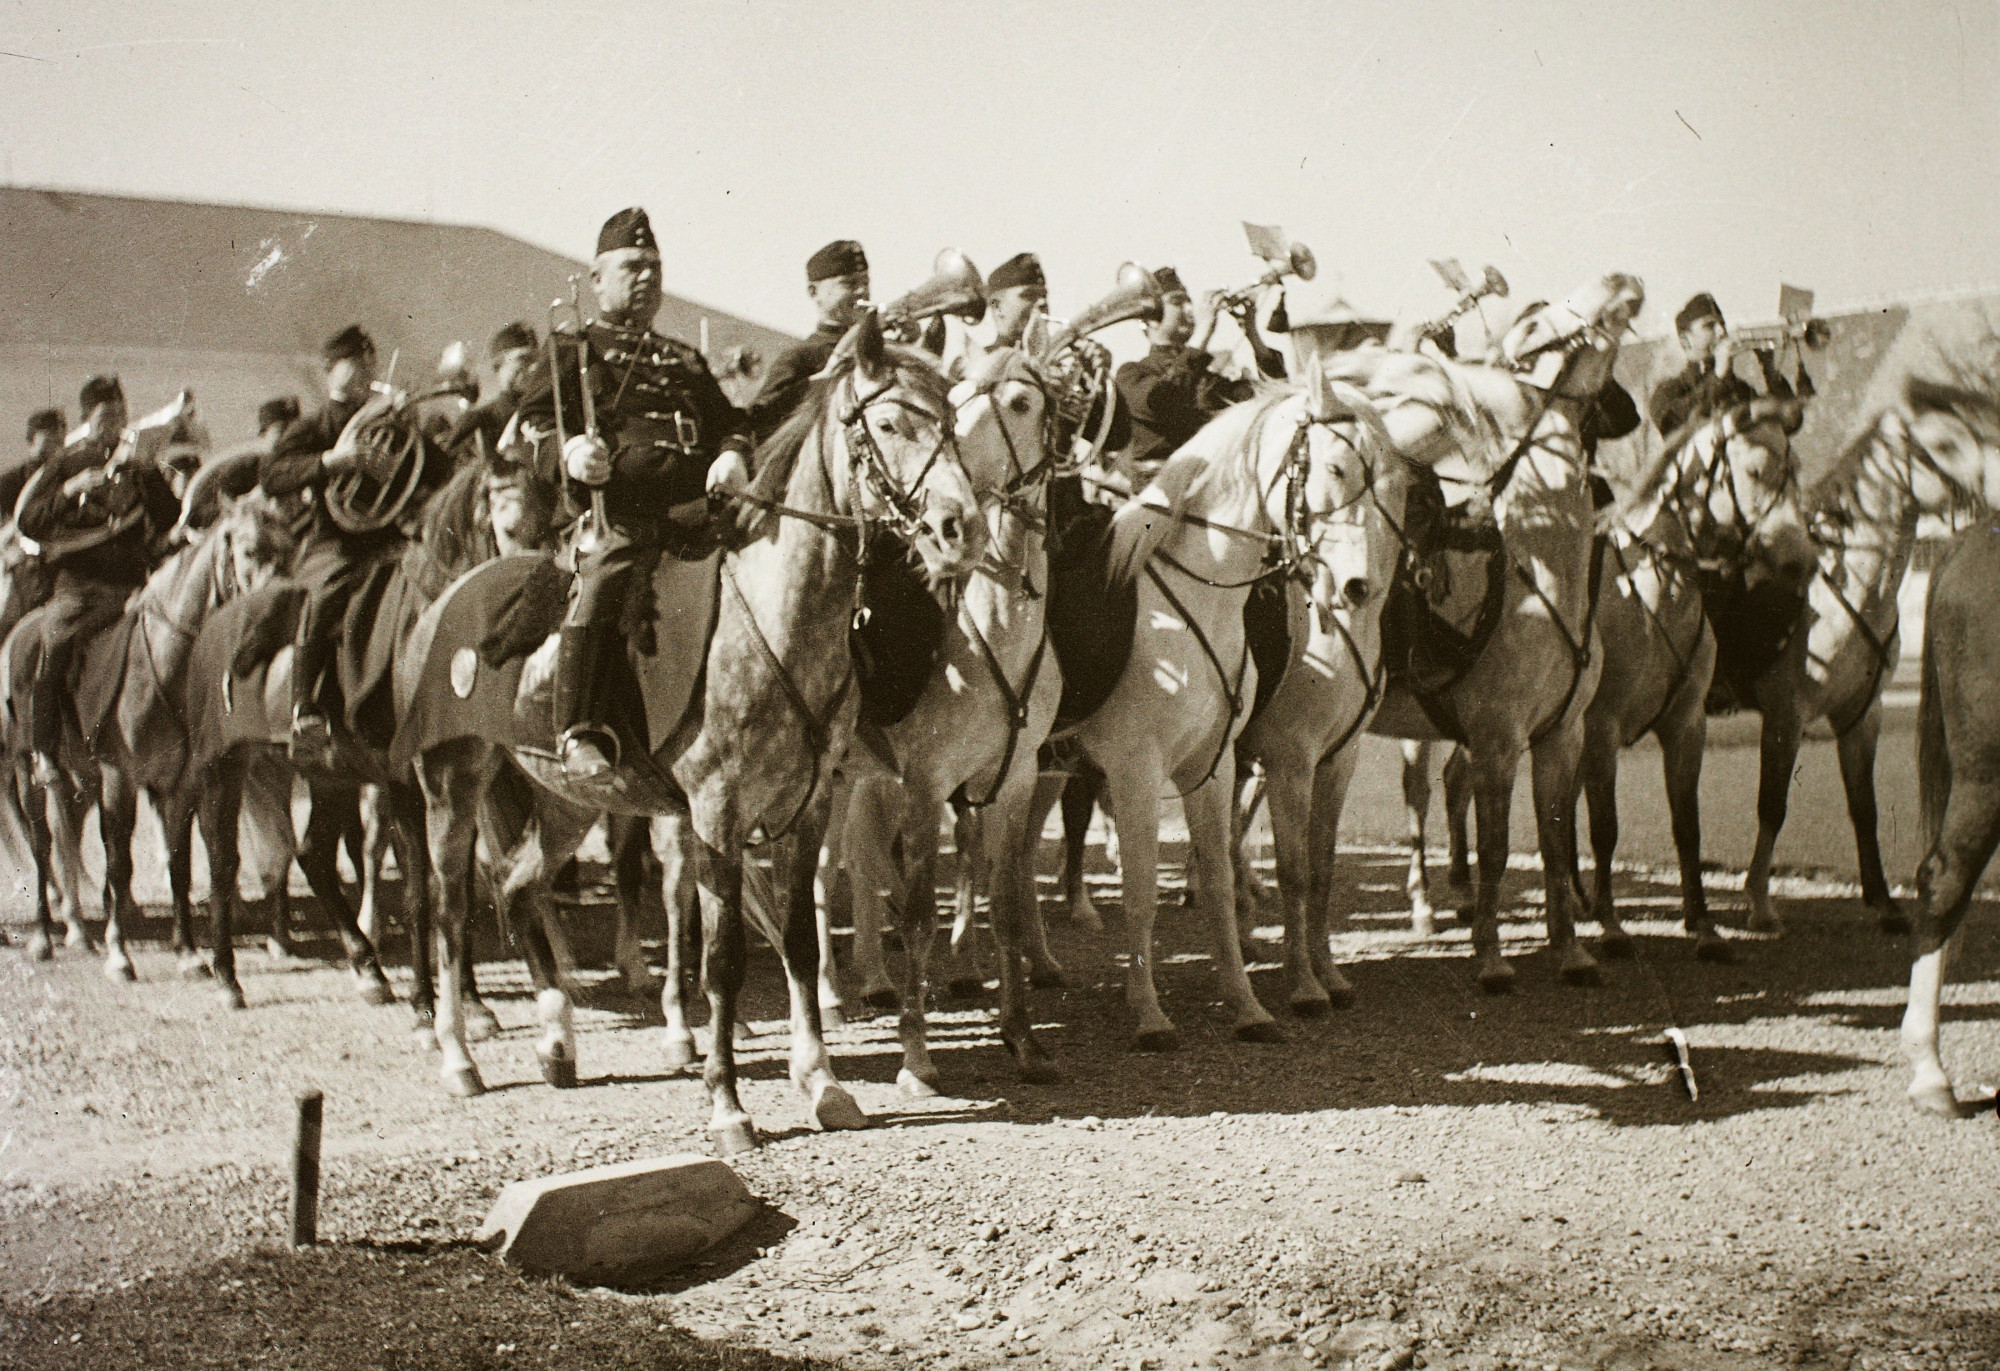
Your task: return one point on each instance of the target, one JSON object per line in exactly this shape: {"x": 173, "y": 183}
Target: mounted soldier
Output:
{"x": 1708, "y": 384}
{"x": 101, "y": 516}
{"x": 477, "y": 433}
{"x": 837, "y": 284}
{"x": 648, "y": 437}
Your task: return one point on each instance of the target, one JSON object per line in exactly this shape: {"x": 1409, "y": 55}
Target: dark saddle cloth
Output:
{"x": 1753, "y": 625}
{"x": 1090, "y": 620}
{"x": 1267, "y": 625}
{"x": 1446, "y": 599}
{"x": 901, "y": 634}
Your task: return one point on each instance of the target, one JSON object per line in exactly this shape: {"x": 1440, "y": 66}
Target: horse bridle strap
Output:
{"x": 1015, "y": 704}
{"x": 1232, "y": 693}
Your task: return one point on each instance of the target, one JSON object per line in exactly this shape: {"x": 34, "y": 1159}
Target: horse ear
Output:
{"x": 1319, "y": 390}
{"x": 871, "y": 356}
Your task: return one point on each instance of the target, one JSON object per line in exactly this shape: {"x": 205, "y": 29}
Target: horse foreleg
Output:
{"x": 1857, "y": 777}
{"x": 1417, "y": 805}
{"x": 269, "y": 842}
{"x": 1777, "y": 755}
{"x": 628, "y": 878}
{"x": 1554, "y": 769}
{"x": 1208, "y": 808}
{"x": 1288, "y": 793}
{"x": 1079, "y": 796}
{"x": 917, "y": 922}
{"x": 1134, "y": 792}
{"x": 330, "y": 807}
{"x": 1456, "y": 773}
{"x": 1253, "y": 897}
{"x": 33, "y": 809}
{"x": 1329, "y": 797}
{"x": 176, "y": 810}
{"x": 1683, "y": 740}
{"x": 1948, "y": 876}
{"x": 117, "y": 814}
{"x": 724, "y": 947}
{"x": 221, "y": 801}
{"x": 560, "y": 830}
{"x": 964, "y": 979}
{"x": 451, "y": 779}
{"x": 1013, "y": 828}
{"x": 672, "y": 834}
{"x": 376, "y": 831}
{"x": 873, "y": 817}
{"x": 1599, "y": 765}
{"x": 1492, "y": 775}
{"x": 65, "y": 806}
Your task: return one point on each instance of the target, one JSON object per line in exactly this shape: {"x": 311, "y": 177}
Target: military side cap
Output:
{"x": 1022, "y": 269}
{"x": 511, "y": 338}
{"x": 352, "y": 341}
{"x": 842, "y": 257}
{"x": 628, "y": 228}
{"x": 1169, "y": 281}
{"x": 99, "y": 390}
{"x": 283, "y": 410}
{"x": 46, "y": 421}
{"x": 1701, "y": 307}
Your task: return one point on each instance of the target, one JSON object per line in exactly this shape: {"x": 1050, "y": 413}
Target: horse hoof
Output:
{"x": 278, "y": 951}
{"x": 1317, "y": 1008}
{"x": 231, "y": 997}
{"x": 40, "y": 949}
{"x": 119, "y": 969}
{"x": 915, "y": 1086}
{"x": 193, "y": 968}
{"x": 1157, "y": 1040}
{"x": 1938, "y": 1100}
{"x": 1423, "y": 926}
{"x": 1339, "y": 996}
{"x": 1039, "y": 1071}
{"x": 1615, "y": 947}
{"x": 1262, "y": 1031}
{"x": 424, "y": 1038}
{"x": 832, "y": 1016}
{"x": 1715, "y": 948}
{"x": 375, "y": 991}
{"x": 463, "y": 1082}
{"x": 1460, "y": 877}
{"x": 836, "y": 1112}
{"x": 1767, "y": 923}
{"x": 1584, "y": 974}
{"x": 966, "y": 987}
{"x": 680, "y": 1053}
{"x": 1048, "y": 978}
{"x": 1497, "y": 980}
{"x": 480, "y": 1025}
{"x": 558, "y": 1069}
{"x": 883, "y": 1001}
{"x": 1893, "y": 922}
{"x": 733, "y": 1140}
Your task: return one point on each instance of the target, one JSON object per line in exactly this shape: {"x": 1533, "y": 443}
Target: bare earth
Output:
{"x": 1431, "y": 1177}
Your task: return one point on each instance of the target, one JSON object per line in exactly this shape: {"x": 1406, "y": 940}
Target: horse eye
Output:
{"x": 1020, "y": 404}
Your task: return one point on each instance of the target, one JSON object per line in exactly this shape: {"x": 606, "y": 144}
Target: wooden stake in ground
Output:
{"x": 305, "y": 1169}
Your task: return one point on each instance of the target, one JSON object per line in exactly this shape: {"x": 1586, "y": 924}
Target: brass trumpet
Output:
{"x": 1136, "y": 296}
{"x": 1493, "y": 284}
{"x": 1811, "y": 334}
{"x": 955, "y": 287}
{"x": 1299, "y": 261}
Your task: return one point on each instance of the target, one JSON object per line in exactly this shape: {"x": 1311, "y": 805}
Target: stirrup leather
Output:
{"x": 604, "y": 738}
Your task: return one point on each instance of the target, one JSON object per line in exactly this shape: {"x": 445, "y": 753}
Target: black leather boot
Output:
{"x": 587, "y": 748}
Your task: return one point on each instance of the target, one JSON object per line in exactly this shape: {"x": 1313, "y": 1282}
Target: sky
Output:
{"x": 1853, "y": 149}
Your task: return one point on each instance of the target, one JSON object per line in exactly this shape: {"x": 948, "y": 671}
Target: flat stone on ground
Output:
{"x": 621, "y": 1225}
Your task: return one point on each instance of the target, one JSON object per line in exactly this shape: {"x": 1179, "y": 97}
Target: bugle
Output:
{"x": 1299, "y": 261}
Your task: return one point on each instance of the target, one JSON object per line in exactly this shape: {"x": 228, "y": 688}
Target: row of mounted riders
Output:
{"x": 759, "y": 719}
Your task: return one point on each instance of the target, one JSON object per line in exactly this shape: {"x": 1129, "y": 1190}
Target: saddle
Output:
{"x": 1090, "y": 620}
{"x": 1446, "y": 598}
{"x": 1753, "y": 625}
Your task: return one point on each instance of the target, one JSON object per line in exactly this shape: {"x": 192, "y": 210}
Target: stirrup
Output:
{"x": 311, "y": 734}
{"x": 587, "y": 751}
{"x": 46, "y": 772}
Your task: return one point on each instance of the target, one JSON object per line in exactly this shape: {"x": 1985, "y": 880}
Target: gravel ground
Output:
{"x": 1429, "y": 1178}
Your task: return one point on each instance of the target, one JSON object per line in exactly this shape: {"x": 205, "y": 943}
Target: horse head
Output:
{"x": 1953, "y": 433}
{"x": 892, "y": 410}
{"x": 1733, "y": 485}
{"x": 1003, "y": 410}
{"x": 253, "y": 542}
{"x": 1342, "y": 488}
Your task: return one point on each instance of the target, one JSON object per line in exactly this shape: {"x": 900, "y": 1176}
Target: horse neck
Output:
{"x": 1544, "y": 511}
{"x": 799, "y": 583}
{"x": 1876, "y": 513}
{"x": 1013, "y": 575}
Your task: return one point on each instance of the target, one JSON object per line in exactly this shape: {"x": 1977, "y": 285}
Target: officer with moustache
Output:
{"x": 837, "y": 284}
{"x": 666, "y": 433}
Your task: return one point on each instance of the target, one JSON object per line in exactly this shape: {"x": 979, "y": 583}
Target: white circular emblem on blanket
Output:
{"x": 464, "y": 671}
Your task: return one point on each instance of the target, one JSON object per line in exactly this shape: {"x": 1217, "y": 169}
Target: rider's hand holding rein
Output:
{"x": 587, "y": 459}
{"x": 728, "y": 478}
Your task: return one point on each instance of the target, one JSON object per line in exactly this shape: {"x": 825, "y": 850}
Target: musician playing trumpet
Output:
{"x": 1708, "y": 385}
{"x": 837, "y": 285}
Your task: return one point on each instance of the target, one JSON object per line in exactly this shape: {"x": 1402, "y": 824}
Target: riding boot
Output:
{"x": 588, "y": 749}
{"x": 311, "y": 653}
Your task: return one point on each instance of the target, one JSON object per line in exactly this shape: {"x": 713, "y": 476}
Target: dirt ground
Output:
{"x": 1431, "y": 1177}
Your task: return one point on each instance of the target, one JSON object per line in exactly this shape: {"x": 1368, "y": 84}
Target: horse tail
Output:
{"x": 1933, "y": 756}
{"x": 1142, "y": 525}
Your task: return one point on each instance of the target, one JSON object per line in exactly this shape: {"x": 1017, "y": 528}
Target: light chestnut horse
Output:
{"x": 1532, "y": 682}
{"x": 1729, "y": 486}
{"x": 872, "y": 443}
{"x": 1958, "y": 733}
{"x": 1265, "y": 481}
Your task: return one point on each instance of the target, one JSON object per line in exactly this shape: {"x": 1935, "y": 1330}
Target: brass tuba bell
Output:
{"x": 955, "y": 287}
{"x": 1136, "y": 296}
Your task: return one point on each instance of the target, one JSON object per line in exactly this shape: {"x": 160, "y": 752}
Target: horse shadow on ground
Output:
{"x": 1419, "y": 1032}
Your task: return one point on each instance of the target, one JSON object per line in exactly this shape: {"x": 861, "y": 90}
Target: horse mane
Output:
{"x": 773, "y": 461}
{"x": 258, "y": 518}
{"x": 1449, "y": 389}
{"x": 450, "y": 527}
{"x": 1218, "y": 463}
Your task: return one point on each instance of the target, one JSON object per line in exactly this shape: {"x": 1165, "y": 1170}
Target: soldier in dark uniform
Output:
{"x": 330, "y": 560}
{"x": 476, "y": 435}
{"x": 1173, "y": 390}
{"x": 837, "y": 282}
{"x": 1708, "y": 385}
{"x": 46, "y": 429}
{"x": 666, "y": 433}
{"x": 74, "y": 494}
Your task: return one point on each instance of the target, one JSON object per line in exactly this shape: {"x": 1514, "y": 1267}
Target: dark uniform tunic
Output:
{"x": 1170, "y": 393}
{"x": 790, "y": 376}
{"x": 664, "y": 417}
{"x": 91, "y": 583}
{"x": 476, "y": 434}
{"x": 1696, "y": 393}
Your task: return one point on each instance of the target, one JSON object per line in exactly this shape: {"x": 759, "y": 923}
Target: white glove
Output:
{"x": 586, "y": 459}
{"x": 729, "y": 472}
